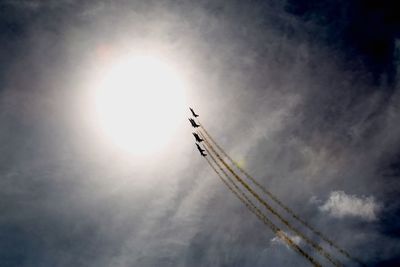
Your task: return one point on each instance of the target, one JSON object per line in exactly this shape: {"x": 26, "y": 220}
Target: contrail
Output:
{"x": 253, "y": 208}
{"x": 318, "y": 248}
{"x": 282, "y": 205}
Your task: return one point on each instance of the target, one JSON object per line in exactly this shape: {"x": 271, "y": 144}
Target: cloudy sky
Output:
{"x": 304, "y": 94}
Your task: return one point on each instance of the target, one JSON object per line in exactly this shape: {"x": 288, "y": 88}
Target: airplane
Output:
{"x": 191, "y": 122}
{"x": 194, "y": 114}
{"x": 197, "y": 137}
{"x": 194, "y": 124}
{"x": 201, "y": 150}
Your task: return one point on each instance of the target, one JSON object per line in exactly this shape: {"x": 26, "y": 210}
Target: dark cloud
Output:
{"x": 303, "y": 93}
{"x": 362, "y": 31}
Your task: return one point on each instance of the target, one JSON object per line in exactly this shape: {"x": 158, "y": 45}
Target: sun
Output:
{"x": 138, "y": 102}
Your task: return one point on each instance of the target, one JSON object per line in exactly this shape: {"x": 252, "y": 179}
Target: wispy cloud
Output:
{"x": 340, "y": 205}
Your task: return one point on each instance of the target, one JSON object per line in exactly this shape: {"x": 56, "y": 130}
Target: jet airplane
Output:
{"x": 201, "y": 150}
{"x": 197, "y": 137}
{"x": 194, "y": 114}
{"x": 194, "y": 124}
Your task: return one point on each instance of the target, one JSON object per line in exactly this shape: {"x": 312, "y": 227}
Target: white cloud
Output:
{"x": 339, "y": 205}
{"x": 278, "y": 241}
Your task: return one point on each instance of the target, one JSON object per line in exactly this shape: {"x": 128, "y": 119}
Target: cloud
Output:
{"x": 340, "y": 205}
{"x": 34, "y": 4}
{"x": 278, "y": 241}
{"x": 23, "y": 4}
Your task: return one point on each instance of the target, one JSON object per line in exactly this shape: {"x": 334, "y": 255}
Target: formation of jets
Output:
{"x": 196, "y": 136}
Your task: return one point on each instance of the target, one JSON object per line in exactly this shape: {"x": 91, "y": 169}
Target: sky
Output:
{"x": 304, "y": 94}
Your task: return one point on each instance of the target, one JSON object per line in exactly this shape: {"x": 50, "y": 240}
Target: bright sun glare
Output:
{"x": 138, "y": 103}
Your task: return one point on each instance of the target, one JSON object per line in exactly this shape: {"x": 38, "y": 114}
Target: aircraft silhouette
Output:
{"x": 197, "y": 137}
{"x": 194, "y": 124}
{"x": 194, "y": 114}
{"x": 201, "y": 150}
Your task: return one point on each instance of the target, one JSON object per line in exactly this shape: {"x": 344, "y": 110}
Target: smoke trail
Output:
{"x": 283, "y": 206}
{"x": 318, "y": 248}
{"x": 253, "y": 208}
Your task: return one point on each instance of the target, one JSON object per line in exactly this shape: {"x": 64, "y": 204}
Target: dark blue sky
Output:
{"x": 304, "y": 93}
